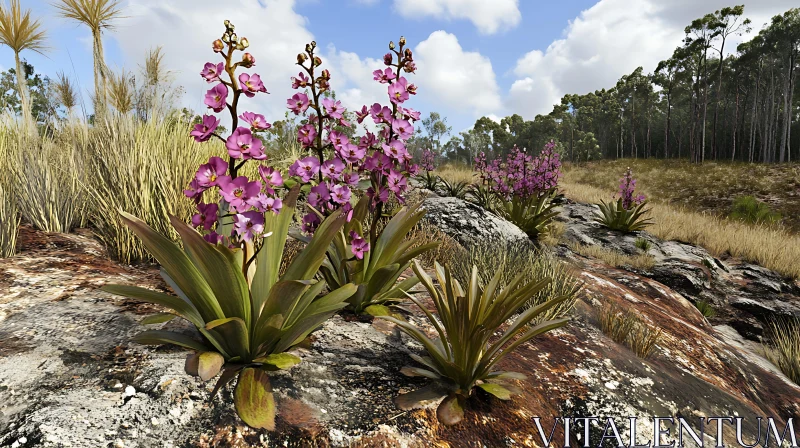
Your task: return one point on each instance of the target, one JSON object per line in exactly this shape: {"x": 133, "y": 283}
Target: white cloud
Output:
{"x": 186, "y": 29}
{"x": 611, "y": 39}
{"x": 459, "y": 79}
{"x": 488, "y": 16}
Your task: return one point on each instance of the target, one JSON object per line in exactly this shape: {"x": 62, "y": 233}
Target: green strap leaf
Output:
{"x": 234, "y": 334}
{"x": 307, "y": 262}
{"x": 496, "y": 390}
{"x": 180, "y": 306}
{"x": 159, "y": 318}
{"x": 280, "y": 361}
{"x": 417, "y": 398}
{"x": 158, "y": 337}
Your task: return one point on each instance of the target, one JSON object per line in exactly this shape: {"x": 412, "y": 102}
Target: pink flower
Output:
{"x": 402, "y": 128}
{"x": 300, "y": 81}
{"x": 208, "y": 173}
{"x": 211, "y": 72}
{"x": 384, "y": 76}
{"x": 382, "y": 196}
{"x": 310, "y": 222}
{"x": 298, "y": 103}
{"x": 409, "y": 114}
{"x": 388, "y": 58}
{"x": 203, "y": 131}
{"x": 352, "y": 153}
{"x": 257, "y": 122}
{"x": 340, "y": 194}
{"x": 381, "y": 114}
{"x": 251, "y": 84}
{"x": 378, "y": 162}
{"x": 238, "y": 191}
{"x": 242, "y": 144}
{"x": 333, "y": 108}
{"x": 216, "y": 97}
{"x": 332, "y": 169}
{"x": 362, "y": 114}
{"x": 398, "y": 92}
{"x": 396, "y": 182}
{"x": 338, "y": 139}
{"x": 319, "y": 195}
{"x": 306, "y": 134}
{"x": 358, "y": 246}
{"x": 207, "y": 216}
{"x": 273, "y": 205}
{"x": 271, "y": 178}
{"x": 395, "y": 149}
{"x": 350, "y": 179}
{"x": 213, "y": 238}
{"x": 307, "y": 168}
{"x": 248, "y": 224}
{"x": 195, "y": 191}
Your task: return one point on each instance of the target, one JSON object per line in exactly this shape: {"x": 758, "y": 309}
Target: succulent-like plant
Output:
{"x": 466, "y": 352}
{"x": 247, "y": 315}
{"x": 374, "y": 272}
{"x": 616, "y": 217}
{"x": 456, "y": 189}
{"x": 429, "y": 180}
{"x": 531, "y": 214}
{"x": 483, "y": 196}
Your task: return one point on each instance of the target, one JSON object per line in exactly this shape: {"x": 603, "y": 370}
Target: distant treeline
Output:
{"x": 698, "y": 104}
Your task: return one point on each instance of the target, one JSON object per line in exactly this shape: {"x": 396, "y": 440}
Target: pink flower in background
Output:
{"x": 340, "y": 194}
{"x": 402, "y": 128}
{"x": 384, "y": 76}
{"x": 627, "y": 187}
{"x": 298, "y": 103}
{"x": 216, "y": 97}
{"x": 319, "y": 194}
{"x": 256, "y": 121}
{"x": 271, "y": 178}
{"x": 358, "y": 246}
{"x": 307, "y": 168}
{"x": 207, "y": 216}
{"x": 251, "y": 84}
{"x": 242, "y": 144}
{"x": 332, "y": 169}
{"x": 310, "y": 222}
{"x": 306, "y": 134}
{"x": 333, "y": 108}
{"x": 237, "y": 191}
{"x": 212, "y": 71}
{"x": 208, "y": 173}
{"x": 300, "y": 81}
{"x": 428, "y": 158}
{"x": 248, "y": 224}
{"x": 398, "y": 92}
{"x": 203, "y": 131}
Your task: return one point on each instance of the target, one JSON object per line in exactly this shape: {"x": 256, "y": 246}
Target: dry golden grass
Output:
{"x": 784, "y": 347}
{"x": 624, "y": 327}
{"x": 614, "y": 258}
{"x": 774, "y": 248}
{"x": 447, "y": 251}
{"x": 456, "y": 173}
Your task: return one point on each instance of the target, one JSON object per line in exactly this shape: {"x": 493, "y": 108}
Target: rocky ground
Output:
{"x": 70, "y": 377}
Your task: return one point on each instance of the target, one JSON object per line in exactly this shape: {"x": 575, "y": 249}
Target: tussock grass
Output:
{"x": 45, "y": 173}
{"x": 774, "y": 248}
{"x": 455, "y": 174}
{"x": 706, "y": 309}
{"x": 9, "y": 221}
{"x": 515, "y": 260}
{"x": 614, "y": 258}
{"x": 783, "y": 349}
{"x": 624, "y": 327}
{"x": 446, "y": 253}
{"x": 643, "y": 245}
{"x": 141, "y": 168}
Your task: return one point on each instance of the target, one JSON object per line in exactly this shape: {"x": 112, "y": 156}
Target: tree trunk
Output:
{"x": 100, "y": 78}
{"x": 22, "y": 87}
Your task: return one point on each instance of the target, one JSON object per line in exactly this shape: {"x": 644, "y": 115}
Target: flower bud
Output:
{"x": 301, "y": 58}
{"x": 217, "y": 46}
{"x": 234, "y": 38}
{"x": 326, "y": 74}
{"x": 387, "y": 59}
{"x": 244, "y": 42}
{"x": 408, "y": 54}
{"x": 391, "y": 45}
{"x": 226, "y": 38}
{"x": 317, "y": 61}
{"x": 402, "y": 40}
{"x": 248, "y": 60}
{"x": 227, "y": 23}
{"x": 308, "y": 48}
{"x": 313, "y": 44}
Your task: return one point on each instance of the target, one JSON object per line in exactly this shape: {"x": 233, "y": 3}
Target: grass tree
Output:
{"x": 97, "y": 15}
{"x": 21, "y": 32}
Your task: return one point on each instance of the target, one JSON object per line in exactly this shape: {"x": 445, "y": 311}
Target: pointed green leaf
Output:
{"x": 281, "y": 361}
{"x": 416, "y": 371}
{"x": 180, "y": 306}
{"x": 378, "y": 310}
{"x": 159, "y": 318}
{"x": 496, "y": 390}
{"x": 158, "y": 337}
{"x": 417, "y": 398}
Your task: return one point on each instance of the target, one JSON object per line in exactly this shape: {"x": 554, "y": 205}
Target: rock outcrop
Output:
{"x": 69, "y": 375}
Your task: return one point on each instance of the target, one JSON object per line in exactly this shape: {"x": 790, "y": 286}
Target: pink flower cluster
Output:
{"x": 427, "y": 160}
{"x": 521, "y": 175}
{"x": 627, "y": 187}
{"x": 244, "y": 201}
{"x": 337, "y": 163}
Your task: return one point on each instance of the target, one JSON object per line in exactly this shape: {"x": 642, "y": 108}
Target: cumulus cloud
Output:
{"x": 488, "y": 16}
{"x": 186, "y": 28}
{"x": 457, "y": 78}
{"x": 611, "y": 39}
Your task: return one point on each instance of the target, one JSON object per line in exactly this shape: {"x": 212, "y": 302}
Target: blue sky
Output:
{"x": 475, "y": 57}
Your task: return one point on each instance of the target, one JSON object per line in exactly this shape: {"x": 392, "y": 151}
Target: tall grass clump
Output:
{"x": 47, "y": 169}
{"x": 9, "y": 215}
{"x": 624, "y": 327}
{"x": 532, "y": 264}
{"x": 752, "y": 211}
{"x": 141, "y": 167}
{"x": 784, "y": 347}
